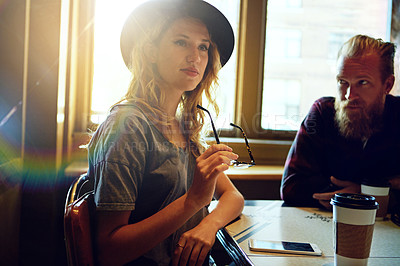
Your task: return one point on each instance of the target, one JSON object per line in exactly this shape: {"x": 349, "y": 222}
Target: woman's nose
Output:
{"x": 193, "y": 56}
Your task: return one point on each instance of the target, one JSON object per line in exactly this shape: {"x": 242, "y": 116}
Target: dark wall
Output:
{"x": 11, "y": 72}
{"x": 42, "y": 190}
{"x": 12, "y": 14}
{"x": 41, "y": 231}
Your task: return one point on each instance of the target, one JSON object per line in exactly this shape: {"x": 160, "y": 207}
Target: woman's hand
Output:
{"x": 193, "y": 246}
{"x": 209, "y": 165}
{"x": 346, "y": 187}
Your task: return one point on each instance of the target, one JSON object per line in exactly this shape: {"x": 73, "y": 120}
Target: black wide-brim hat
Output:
{"x": 143, "y": 16}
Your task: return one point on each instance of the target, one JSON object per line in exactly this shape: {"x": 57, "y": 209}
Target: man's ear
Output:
{"x": 150, "y": 51}
{"x": 389, "y": 84}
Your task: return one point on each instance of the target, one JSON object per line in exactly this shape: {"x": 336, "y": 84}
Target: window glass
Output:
{"x": 225, "y": 92}
{"x": 302, "y": 41}
{"x": 283, "y": 101}
{"x": 111, "y": 77}
{"x": 283, "y": 43}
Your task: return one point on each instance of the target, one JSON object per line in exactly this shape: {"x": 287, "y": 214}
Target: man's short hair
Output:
{"x": 361, "y": 45}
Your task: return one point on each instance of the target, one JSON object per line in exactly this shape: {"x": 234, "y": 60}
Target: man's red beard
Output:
{"x": 360, "y": 123}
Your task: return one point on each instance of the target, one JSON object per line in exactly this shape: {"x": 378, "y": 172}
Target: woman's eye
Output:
{"x": 203, "y": 47}
{"x": 363, "y": 82}
{"x": 341, "y": 82}
{"x": 180, "y": 42}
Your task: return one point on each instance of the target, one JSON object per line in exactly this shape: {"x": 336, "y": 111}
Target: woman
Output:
{"x": 153, "y": 176}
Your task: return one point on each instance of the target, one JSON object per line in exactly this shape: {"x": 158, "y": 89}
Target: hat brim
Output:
{"x": 217, "y": 24}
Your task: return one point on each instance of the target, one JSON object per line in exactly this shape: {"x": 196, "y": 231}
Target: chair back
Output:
{"x": 79, "y": 224}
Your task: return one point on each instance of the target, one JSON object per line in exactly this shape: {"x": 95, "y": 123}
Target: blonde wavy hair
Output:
{"x": 144, "y": 92}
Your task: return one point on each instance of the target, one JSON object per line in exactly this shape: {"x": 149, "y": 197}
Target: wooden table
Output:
{"x": 269, "y": 220}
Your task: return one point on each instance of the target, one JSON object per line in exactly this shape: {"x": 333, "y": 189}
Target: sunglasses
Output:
{"x": 236, "y": 164}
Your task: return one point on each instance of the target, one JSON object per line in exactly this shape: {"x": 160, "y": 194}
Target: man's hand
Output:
{"x": 346, "y": 187}
{"x": 395, "y": 182}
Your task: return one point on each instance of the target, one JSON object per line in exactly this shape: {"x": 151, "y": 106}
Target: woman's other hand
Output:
{"x": 193, "y": 246}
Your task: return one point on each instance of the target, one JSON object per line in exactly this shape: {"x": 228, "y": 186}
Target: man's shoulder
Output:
{"x": 327, "y": 100}
{"x": 393, "y": 100}
{"x": 324, "y": 104}
{"x": 392, "y": 108}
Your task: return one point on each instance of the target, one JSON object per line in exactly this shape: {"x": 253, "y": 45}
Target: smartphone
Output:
{"x": 284, "y": 247}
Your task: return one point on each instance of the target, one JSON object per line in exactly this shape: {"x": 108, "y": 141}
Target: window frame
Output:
{"x": 268, "y": 146}
{"x": 250, "y": 72}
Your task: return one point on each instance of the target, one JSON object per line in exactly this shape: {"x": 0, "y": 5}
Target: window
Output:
{"x": 111, "y": 77}
{"x": 284, "y": 59}
{"x": 302, "y": 41}
{"x": 225, "y": 93}
{"x": 283, "y": 101}
{"x": 283, "y": 43}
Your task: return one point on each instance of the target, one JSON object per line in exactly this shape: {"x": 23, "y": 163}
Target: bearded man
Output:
{"x": 352, "y": 138}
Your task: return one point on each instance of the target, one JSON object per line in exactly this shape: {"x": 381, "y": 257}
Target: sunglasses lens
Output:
{"x": 241, "y": 165}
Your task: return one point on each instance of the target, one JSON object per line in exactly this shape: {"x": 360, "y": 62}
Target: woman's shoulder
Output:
{"x": 124, "y": 130}
{"x": 127, "y": 115}
{"x": 124, "y": 119}
{"x": 127, "y": 110}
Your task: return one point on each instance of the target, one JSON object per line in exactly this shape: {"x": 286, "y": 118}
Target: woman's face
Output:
{"x": 182, "y": 55}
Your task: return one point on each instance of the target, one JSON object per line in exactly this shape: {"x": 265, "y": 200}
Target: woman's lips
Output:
{"x": 192, "y": 72}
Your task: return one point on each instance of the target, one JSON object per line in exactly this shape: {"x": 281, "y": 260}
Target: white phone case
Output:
{"x": 278, "y": 246}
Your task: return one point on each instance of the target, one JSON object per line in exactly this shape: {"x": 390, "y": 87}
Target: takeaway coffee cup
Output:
{"x": 354, "y": 219}
{"x": 381, "y": 194}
